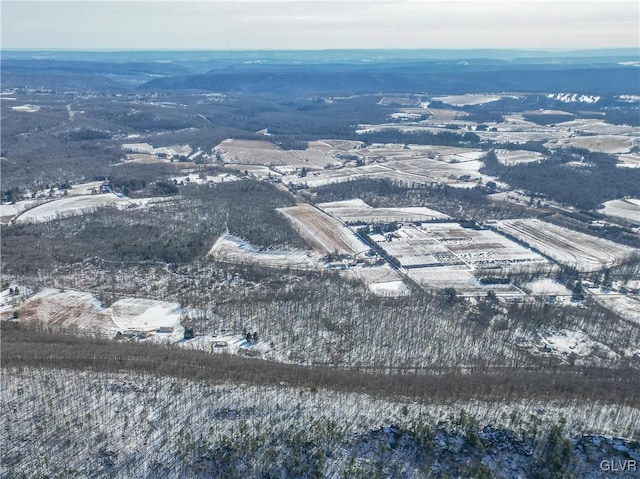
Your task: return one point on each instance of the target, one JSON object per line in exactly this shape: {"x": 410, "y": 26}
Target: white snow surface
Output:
{"x": 547, "y": 286}
{"x": 80, "y": 205}
{"x": 231, "y": 249}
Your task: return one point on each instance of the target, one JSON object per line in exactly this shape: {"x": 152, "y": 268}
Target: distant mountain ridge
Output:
{"x": 599, "y": 80}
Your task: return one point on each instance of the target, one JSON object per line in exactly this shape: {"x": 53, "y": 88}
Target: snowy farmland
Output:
{"x": 628, "y": 209}
{"x": 453, "y": 170}
{"x": 357, "y": 211}
{"x": 68, "y": 309}
{"x": 438, "y": 244}
{"x": 382, "y": 280}
{"x": 518, "y": 157}
{"x": 82, "y": 311}
{"x": 231, "y": 249}
{"x": 167, "y": 151}
{"x": 201, "y": 179}
{"x": 148, "y": 316}
{"x": 80, "y": 205}
{"x": 318, "y": 155}
{"x": 440, "y": 255}
{"x": 602, "y": 143}
{"x": 326, "y": 234}
{"x": 581, "y": 251}
{"x": 469, "y": 99}
{"x": 626, "y": 307}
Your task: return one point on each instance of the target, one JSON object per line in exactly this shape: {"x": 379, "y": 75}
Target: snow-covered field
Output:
{"x": 8, "y": 211}
{"x": 197, "y": 179}
{"x": 255, "y": 170}
{"x": 71, "y": 309}
{"x": 81, "y": 205}
{"x": 26, "y": 108}
{"x": 318, "y": 155}
{"x": 381, "y": 280}
{"x": 230, "y": 249}
{"x": 439, "y": 244}
{"x": 578, "y": 250}
{"x": 547, "y": 286}
{"x": 71, "y": 206}
{"x": 631, "y": 160}
{"x": 626, "y": 306}
{"x": 357, "y": 211}
{"x": 600, "y": 143}
{"x": 326, "y": 234}
{"x": 468, "y": 99}
{"x": 627, "y": 208}
{"x": 169, "y": 151}
{"x": 68, "y": 309}
{"x": 414, "y": 171}
{"x": 148, "y": 316}
{"x": 517, "y": 157}
{"x": 440, "y": 255}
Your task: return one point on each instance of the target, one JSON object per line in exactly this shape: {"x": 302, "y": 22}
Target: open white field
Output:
{"x": 169, "y": 151}
{"x": 198, "y": 179}
{"x": 578, "y": 250}
{"x": 440, "y": 114}
{"x": 411, "y": 169}
{"x": 440, "y": 255}
{"x": 449, "y": 244}
{"x": 469, "y": 99}
{"x": 394, "y": 151}
{"x": 517, "y": 157}
{"x": 382, "y": 280}
{"x": 255, "y": 170}
{"x": 8, "y": 211}
{"x": 440, "y": 277}
{"x": 630, "y": 160}
{"x": 482, "y": 248}
{"x": 84, "y": 188}
{"x": 599, "y": 143}
{"x": 145, "y": 158}
{"x": 148, "y": 316}
{"x": 628, "y": 209}
{"x": 70, "y": 206}
{"x": 324, "y": 233}
{"x": 80, "y": 205}
{"x": 315, "y": 179}
{"x": 545, "y": 287}
{"x": 230, "y": 249}
{"x": 398, "y": 100}
{"x": 68, "y": 309}
{"x": 83, "y": 311}
{"x": 318, "y": 155}
{"x": 625, "y": 306}
{"x": 415, "y": 248}
{"x": 426, "y": 170}
{"x": 26, "y": 108}
{"x": 589, "y": 126}
{"x": 357, "y": 211}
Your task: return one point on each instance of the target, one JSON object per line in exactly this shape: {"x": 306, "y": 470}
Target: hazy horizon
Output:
{"x": 267, "y": 25}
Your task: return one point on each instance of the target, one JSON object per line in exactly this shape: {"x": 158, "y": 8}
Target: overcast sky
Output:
{"x": 294, "y": 24}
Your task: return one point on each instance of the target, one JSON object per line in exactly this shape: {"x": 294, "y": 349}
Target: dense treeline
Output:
{"x": 590, "y": 179}
{"x": 23, "y": 346}
{"x": 177, "y": 231}
{"x": 138, "y": 425}
{"x": 462, "y": 203}
{"x": 446, "y": 138}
